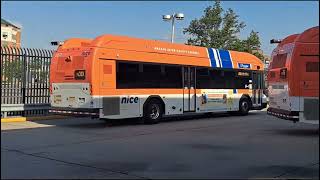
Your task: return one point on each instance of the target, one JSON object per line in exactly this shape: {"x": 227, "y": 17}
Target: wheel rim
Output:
{"x": 155, "y": 111}
{"x": 245, "y": 106}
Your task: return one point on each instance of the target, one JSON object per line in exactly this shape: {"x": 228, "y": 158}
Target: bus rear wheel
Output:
{"x": 244, "y": 106}
{"x": 152, "y": 112}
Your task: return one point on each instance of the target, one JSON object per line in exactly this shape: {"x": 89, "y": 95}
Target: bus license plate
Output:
{"x": 72, "y": 99}
{"x": 80, "y": 74}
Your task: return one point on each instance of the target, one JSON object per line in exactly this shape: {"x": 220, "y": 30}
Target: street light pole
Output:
{"x": 178, "y": 16}
{"x": 172, "y": 30}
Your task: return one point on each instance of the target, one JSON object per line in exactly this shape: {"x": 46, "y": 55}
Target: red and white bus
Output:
{"x": 293, "y": 77}
{"x": 122, "y": 77}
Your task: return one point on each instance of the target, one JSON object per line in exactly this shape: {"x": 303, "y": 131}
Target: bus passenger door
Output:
{"x": 189, "y": 92}
{"x": 256, "y": 89}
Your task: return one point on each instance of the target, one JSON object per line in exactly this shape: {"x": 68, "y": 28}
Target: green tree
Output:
{"x": 12, "y": 70}
{"x": 253, "y": 45}
{"x": 220, "y": 29}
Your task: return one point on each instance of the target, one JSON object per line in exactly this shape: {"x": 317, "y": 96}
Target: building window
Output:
{"x": 4, "y": 35}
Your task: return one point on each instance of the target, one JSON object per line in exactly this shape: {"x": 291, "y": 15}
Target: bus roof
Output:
{"x": 289, "y": 39}
{"x": 309, "y": 36}
{"x": 171, "y": 53}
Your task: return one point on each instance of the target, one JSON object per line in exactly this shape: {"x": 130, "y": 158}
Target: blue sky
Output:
{"x": 43, "y": 22}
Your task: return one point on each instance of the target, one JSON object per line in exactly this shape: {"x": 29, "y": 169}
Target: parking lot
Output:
{"x": 220, "y": 146}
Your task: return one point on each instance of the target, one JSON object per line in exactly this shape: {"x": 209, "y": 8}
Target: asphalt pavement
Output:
{"x": 219, "y": 146}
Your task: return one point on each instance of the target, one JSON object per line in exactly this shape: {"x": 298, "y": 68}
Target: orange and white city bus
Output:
{"x": 122, "y": 77}
{"x": 293, "y": 77}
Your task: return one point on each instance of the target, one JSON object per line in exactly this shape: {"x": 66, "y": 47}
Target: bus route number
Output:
{"x": 80, "y": 74}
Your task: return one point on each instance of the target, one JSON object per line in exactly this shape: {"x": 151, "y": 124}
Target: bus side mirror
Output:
{"x": 56, "y": 43}
{"x": 275, "y": 41}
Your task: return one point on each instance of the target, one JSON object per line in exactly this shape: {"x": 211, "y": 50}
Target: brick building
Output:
{"x": 10, "y": 34}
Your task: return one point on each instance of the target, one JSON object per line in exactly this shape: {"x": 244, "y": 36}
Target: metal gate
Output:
{"x": 24, "y": 81}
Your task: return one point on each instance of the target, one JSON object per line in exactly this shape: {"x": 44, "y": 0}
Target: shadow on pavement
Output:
{"x": 170, "y": 119}
{"x": 95, "y": 123}
{"x": 299, "y": 132}
{"x": 285, "y": 171}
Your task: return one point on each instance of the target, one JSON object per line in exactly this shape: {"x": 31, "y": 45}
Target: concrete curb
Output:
{"x": 33, "y": 118}
{"x": 15, "y": 119}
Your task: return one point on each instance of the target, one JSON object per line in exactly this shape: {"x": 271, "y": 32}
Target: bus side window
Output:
{"x": 222, "y": 79}
{"x": 172, "y": 77}
{"x": 202, "y": 75}
{"x": 230, "y": 81}
{"x": 147, "y": 75}
{"x": 126, "y": 74}
{"x": 216, "y": 80}
{"x": 150, "y": 76}
{"x": 242, "y": 79}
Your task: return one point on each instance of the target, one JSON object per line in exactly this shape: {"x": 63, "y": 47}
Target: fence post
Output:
{"x": 24, "y": 81}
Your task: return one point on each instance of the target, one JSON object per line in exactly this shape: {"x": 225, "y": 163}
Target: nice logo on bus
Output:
{"x": 129, "y": 100}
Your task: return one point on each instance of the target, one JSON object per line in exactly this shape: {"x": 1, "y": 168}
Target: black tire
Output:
{"x": 244, "y": 106}
{"x": 152, "y": 112}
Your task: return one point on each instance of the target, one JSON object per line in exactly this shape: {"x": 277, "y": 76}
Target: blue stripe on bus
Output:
{"x": 219, "y": 58}
{"x": 211, "y": 56}
{"x": 225, "y": 58}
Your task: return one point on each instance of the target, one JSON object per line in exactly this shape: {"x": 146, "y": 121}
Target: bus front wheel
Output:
{"x": 244, "y": 106}
{"x": 152, "y": 112}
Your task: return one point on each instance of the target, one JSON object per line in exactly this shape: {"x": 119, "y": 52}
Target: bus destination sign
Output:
{"x": 242, "y": 65}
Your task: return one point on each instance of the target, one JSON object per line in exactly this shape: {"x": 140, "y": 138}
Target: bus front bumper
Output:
{"x": 284, "y": 114}
{"x": 93, "y": 112}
